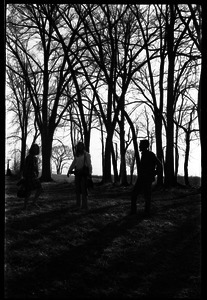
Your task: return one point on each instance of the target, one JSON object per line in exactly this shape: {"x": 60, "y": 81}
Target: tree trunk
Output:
{"x": 102, "y": 147}
{"x": 123, "y": 174}
{"x": 47, "y": 140}
{"x": 169, "y": 163}
{"x": 187, "y": 151}
{"x": 109, "y": 143}
{"x": 176, "y": 162}
{"x": 159, "y": 151}
{"x": 23, "y": 153}
{"x": 114, "y": 161}
{"x": 87, "y": 136}
{"x": 107, "y": 161}
{"x": 176, "y": 154}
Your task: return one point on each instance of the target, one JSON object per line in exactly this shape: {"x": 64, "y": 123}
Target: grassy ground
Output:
{"x": 57, "y": 251}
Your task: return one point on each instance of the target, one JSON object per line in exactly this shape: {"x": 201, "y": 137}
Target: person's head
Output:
{"x": 34, "y": 149}
{"x": 143, "y": 145}
{"x": 80, "y": 148}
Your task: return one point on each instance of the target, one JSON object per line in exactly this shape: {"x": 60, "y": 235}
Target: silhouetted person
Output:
{"x": 149, "y": 165}
{"x": 81, "y": 162}
{"x": 31, "y": 173}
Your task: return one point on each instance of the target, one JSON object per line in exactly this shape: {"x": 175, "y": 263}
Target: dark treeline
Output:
{"x": 127, "y": 70}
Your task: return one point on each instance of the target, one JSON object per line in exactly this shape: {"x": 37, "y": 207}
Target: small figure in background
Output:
{"x": 82, "y": 169}
{"x": 149, "y": 165}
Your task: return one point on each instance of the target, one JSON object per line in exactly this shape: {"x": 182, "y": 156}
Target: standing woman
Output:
{"x": 83, "y": 169}
{"x": 30, "y": 175}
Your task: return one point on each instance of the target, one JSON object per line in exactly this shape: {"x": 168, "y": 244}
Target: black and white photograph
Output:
{"x": 104, "y": 146}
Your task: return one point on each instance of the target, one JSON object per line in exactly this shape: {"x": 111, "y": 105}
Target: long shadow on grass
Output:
{"x": 156, "y": 269}
{"x": 163, "y": 268}
{"x": 164, "y": 205}
{"x": 59, "y": 214}
{"x": 178, "y": 270}
{"x": 44, "y": 223}
{"x": 64, "y": 265}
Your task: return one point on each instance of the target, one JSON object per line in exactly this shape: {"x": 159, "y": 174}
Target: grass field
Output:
{"x": 57, "y": 251}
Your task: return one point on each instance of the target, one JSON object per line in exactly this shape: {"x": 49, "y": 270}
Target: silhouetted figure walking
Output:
{"x": 30, "y": 175}
{"x": 149, "y": 165}
{"x": 83, "y": 169}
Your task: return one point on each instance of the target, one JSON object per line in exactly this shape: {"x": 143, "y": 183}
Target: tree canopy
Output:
{"x": 86, "y": 66}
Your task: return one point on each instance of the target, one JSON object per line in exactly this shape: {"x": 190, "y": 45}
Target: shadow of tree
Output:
{"x": 155, "y": 270}
{"x": 125, "y": 256}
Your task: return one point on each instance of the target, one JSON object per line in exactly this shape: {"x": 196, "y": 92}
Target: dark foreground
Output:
{"x": 57, "y": 251}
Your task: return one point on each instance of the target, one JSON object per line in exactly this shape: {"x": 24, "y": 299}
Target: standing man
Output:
{"x": 146, "y": 175}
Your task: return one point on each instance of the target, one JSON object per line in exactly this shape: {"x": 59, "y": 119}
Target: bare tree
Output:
{"x": 194, "y": 31}
{"x": 150, "y": 79}
{"x": 177, "y": 43}
{"x": 80, "y": 70}
{"x": 184, "y": 102}
{"x": 130, "y": 161}
{"x": 46, "y": 69}
{"x": 172, "y": 43}
{"x": 186, "y": 121}
{"x": 60, "y": 156}
{"x": 89, "y": 57}
{"x": 21, "y": 108}
{"x": 114, "y": 47}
